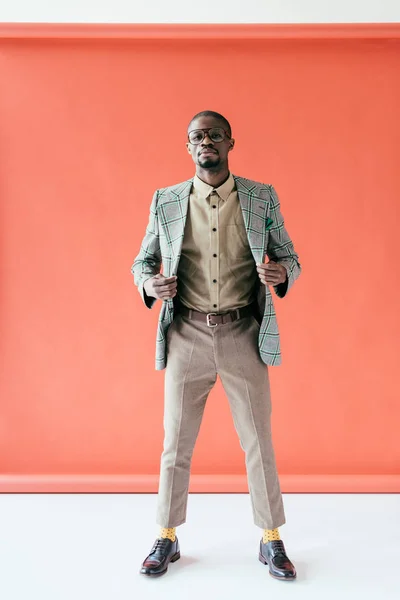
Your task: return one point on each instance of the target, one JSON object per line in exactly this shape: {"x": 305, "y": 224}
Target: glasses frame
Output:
{"x": 207, "y": 129}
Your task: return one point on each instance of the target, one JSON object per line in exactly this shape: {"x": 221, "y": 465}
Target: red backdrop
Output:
{"x": 89, "y": 129}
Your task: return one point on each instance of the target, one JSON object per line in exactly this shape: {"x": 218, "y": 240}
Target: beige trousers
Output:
{"x": 196, "y": 355}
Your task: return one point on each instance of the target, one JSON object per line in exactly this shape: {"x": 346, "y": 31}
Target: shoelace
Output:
{"x": 278, "y": 547}
{"x": 160, "y": 543}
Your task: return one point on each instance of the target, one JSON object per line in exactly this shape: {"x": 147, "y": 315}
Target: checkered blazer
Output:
{"x": 266, "y": 233}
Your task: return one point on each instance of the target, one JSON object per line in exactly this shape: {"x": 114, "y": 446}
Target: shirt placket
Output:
{"x": 214, "y": 272}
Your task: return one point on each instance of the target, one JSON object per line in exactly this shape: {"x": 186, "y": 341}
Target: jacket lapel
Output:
{"x": 254, "y": 204}
{"x": 172, "y": 213}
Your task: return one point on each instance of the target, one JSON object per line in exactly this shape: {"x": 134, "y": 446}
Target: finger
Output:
{"x": 166, "y": 290}
{"x": 161, "y": 287}
{"x": 165, "y": 284}
{"x": 268, "y": 266}
{"x": 164, "y": 280}
{"x": 167, "y": 296}
{"x": 268, "y": 274}
{"x": 269, "y": 280}
{"x": 267, "y": 269}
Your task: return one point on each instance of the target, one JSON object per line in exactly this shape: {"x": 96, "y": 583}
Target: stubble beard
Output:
{"x": 209, "y": 162}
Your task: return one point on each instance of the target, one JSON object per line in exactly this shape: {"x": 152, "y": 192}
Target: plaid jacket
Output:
{"x": 266, "y": 233}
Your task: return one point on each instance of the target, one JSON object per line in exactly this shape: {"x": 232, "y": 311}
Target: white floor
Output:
{"x": 90, "y": 547}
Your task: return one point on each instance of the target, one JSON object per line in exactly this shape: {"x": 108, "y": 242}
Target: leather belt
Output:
{"x": 213, "y": 319}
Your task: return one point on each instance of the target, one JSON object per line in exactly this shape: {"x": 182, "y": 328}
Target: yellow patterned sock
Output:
{"x": 270, "y": 535}
{"x": 168, "y": 532}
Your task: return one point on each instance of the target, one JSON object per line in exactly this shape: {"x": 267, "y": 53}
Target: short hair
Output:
{"x": 216, "y": 115}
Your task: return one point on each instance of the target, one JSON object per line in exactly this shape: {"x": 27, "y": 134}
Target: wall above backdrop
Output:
{"x": 208, "y": 11}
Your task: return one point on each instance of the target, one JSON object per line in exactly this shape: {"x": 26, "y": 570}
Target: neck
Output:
{"x": 214, "y": 178}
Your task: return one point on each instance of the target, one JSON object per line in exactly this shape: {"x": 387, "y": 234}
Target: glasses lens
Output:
{"x": 216, "y": 134}
{"x": 196, "y": 136}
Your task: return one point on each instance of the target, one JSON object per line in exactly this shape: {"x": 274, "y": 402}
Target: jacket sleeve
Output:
{"x": 148, "y": 262}
{"x": 280, "y": 247}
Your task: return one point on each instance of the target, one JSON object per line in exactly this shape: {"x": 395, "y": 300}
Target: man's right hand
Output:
{"x": 161, "y": 287}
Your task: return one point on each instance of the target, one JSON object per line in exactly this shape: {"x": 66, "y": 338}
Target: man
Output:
{"x": 212, "y": 233}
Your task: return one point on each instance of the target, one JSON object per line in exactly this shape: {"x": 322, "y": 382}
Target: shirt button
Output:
{"x": 214, "y": 206}
{"x": 214, "y": 255}
{"x": 214, "y": 281}
{"x": 214, "y": 305}
{"x": 214, "y": 229}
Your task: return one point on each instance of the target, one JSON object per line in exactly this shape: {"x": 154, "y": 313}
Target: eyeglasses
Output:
{"x": 216, "y": 134}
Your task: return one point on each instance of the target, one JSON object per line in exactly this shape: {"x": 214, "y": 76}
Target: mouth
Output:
{"x": 208, "y": 152}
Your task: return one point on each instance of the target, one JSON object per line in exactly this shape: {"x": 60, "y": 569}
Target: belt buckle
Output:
{"x": 208, "y": 320}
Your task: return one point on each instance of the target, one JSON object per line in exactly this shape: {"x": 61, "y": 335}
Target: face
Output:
{"x": 208, "y": 154}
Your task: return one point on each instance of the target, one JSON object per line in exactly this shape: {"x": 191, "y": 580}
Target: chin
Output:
{"x": 209, "y": 162}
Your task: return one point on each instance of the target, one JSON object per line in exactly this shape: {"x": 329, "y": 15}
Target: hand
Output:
{"x": 271, "y": 273}
{"x": 161, "y": 287}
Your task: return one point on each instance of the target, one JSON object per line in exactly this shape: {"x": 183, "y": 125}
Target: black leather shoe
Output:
{"x": 273, "y": 554}
{"x": 162, "y": 553}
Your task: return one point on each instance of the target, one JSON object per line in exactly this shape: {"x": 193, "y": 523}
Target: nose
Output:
{"x": 206, "y": 136}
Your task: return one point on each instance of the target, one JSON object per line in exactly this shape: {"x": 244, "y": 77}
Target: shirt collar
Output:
{"x": 223, "y": 190}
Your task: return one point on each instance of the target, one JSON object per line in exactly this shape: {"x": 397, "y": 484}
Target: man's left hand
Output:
{"x": 271, "y": 273}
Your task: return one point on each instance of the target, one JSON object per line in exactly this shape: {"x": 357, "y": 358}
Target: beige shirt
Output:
{"x": 216, "y": 271}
